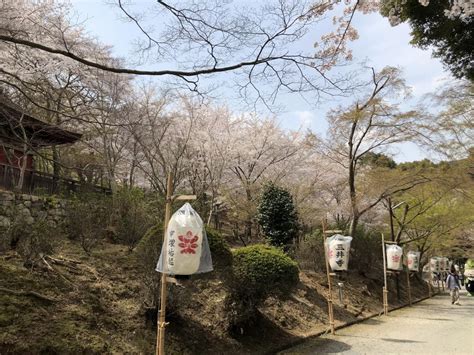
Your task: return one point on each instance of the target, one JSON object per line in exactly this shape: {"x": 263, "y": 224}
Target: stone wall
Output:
{"x": 29, "y": 208}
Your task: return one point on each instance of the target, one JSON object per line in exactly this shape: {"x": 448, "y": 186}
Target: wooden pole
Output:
{"x": 330, "y": 304}
{"x": 408, "y": 286}
{"x": 442, "y": 279}
{"x": 430, "y": 279}
{"x": 385, "y": 289}
{"x": 160, "y": 344}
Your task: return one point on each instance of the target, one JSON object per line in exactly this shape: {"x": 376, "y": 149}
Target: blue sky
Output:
{"x": 378, "y": 45}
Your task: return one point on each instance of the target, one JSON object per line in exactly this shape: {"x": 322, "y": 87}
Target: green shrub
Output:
{"x": 33, "y": 241}
{"x": 131, "y": 216}
{"x": 261, "y": 270}
{"x": 88, "y": 218}
{"x": 366, "y": 251}
{"x": 147, "y": 254}
{"x": 277, "y": 215}
{"x": 122, "y": 218}
{"x": 149, "y": 248}
{"x": 220, "y": 251}
{"x": 310, "y": 252}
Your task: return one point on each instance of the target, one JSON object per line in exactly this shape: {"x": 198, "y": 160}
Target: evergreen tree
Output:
{"x": 277, "y": 215}
{"x": 449, "y": 36}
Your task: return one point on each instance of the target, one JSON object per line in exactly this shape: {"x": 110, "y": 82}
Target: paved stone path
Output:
{"x": 433, "y": 326}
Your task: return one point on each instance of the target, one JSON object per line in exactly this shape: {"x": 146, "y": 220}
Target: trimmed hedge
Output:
{"x": 261, "y": 270}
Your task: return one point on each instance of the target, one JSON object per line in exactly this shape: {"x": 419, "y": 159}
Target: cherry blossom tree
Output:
{"x": 197, "y": 39}
{"x": 67, "y": 93}
{"x": 210, "y": 155}
{"x": 108, "y": 133}
{"x": 451, "y": 126}
{"x": 263, "y": 152}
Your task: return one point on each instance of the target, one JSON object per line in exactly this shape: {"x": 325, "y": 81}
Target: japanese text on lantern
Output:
{"x": 340, "y": 254}
{"x": 171, "y": 247}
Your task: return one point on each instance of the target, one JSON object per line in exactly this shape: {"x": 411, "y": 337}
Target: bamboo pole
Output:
{"x": 329, "y": 299}
{"x": 430, "y": 279}
{"x": 408, "y": 286}
{"x": 160, "y": 344}
{"x": 385, "y": 289}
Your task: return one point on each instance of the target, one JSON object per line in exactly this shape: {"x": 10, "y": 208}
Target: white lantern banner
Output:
{"x": 187, "y": 249}
{"x": 469, "y": 268}
{"x": 413, "y": 260}
{"x": 394, "y": 257}
{"x": 435, "y": 264}
{"x": 338, "y": 248}
{"x": 446, "y": 264}
{"x": 442, "y": 264}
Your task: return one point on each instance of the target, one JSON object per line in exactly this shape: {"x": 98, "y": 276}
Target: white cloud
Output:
{"x": 305, "y": 118}
{"x": 382, "y": 44}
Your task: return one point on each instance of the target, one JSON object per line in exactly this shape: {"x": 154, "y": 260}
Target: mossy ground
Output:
{"x": 95, "y": 309}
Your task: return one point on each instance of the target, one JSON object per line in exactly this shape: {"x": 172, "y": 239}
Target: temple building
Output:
{"x": 22, "y": 137}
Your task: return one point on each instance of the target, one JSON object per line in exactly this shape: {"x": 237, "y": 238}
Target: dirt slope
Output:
{"x": 96, "y": 306}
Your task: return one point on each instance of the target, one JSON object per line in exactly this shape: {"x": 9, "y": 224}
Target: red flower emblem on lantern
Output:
{"x": 188, "y": 243}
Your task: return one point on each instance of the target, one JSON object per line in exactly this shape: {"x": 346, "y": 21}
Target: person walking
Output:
{"x": 452, "y": 284}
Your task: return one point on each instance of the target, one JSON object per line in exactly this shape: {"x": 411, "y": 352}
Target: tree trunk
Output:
{"x": 56, "y": 168}
{"x": 354, "y": 209}
{"x": 354, "y": 223}
{"x": 134, "y": 164}
{"x": 211, "y": 209}
{"x": 392, "y": 230}
{"x": 131, "y": 176}
{"x": 248, "y": 222}
{"x": 24, "y": 162}
{"x": 112, "y": 183}
{"x": 248, "y": 229}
